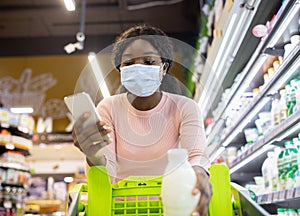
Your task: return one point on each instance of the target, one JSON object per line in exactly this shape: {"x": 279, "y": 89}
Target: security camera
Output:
{"x": 80, "y": 36}
{"x": 78, "y": 45}
{"x": 69, "y": 48}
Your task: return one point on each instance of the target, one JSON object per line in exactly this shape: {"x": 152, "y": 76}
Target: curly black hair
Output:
{"x": 158, "y": 39}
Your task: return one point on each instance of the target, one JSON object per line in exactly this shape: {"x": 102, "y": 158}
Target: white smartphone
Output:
{"x": 80, "y": 103}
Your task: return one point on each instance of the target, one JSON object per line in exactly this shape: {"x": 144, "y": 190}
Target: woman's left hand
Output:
{"x": 203, "y": 186}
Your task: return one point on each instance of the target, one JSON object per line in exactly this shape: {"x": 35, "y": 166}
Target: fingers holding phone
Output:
{"x": 90, "y": 133}
{"x": 90, "y": 138}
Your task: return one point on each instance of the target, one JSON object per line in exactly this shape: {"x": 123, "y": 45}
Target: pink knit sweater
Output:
{"x": 141, "y": 139}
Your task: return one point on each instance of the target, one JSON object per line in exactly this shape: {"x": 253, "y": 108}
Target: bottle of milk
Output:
{"x": 178, "y": 183}
{"x": 267, "y": 172}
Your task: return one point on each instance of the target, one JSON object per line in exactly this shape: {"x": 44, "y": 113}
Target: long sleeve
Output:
{"x": 192, "y": 135}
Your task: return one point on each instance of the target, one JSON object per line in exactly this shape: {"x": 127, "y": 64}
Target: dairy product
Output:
{"x": 275, "y": 112}
{"x": 267, "y": 172}
{"x": 290, "y": 165}
{"x": 296, "y": 141}
{"x": 283, "y": 105}
{"x": 178, "y": 183}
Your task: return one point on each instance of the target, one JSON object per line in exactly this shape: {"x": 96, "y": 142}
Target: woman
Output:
{"x": 145, "y": 122}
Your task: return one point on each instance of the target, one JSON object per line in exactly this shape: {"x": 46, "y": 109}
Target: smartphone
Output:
{"x": 80, "y": 103}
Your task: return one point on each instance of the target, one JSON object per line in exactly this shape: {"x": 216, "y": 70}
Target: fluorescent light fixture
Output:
{"x": 91, "y": 56}
{"x": 288, "y": 132}
{"x": 252, "y": 157}
{"x": 70, "y": 5}
{"x": 224, "y": 43}
{"x": 203, "y": 102}
{"x": 21, "y": 110}
{"x": 285, "y": 24}
{"x": 98, "y": 74}
{"x": 238, "y": 33}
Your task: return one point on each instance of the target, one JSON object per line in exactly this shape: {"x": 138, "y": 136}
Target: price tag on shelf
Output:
{"x": 270, "y": 198}
{"x": 290, "y": 193}
{"x": 264, "y": 198}
{"x": 276, "y": 196}
{"x": 282, "y": 195}
{"x": 259, "y": 199}
{"x": 297, "y": 192}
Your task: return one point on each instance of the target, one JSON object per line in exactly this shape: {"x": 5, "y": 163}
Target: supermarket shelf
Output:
{"x": 15, "y": 131}
{"x": 250, "y": 160}
{"x": 4, "y": 184}
{"x": 283, "y": 74}
{"x": 250, "y": 70}
{"x": 237, "y": 38}
{"x": 15, "y": 166}
{"x": 17, "y": 141}
{"x": 280, "y": 196}
{"x": 3, "y": 149}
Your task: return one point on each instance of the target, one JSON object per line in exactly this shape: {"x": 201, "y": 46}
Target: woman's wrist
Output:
{"x": 200, "y": 170}
{"x": 96, "y": 161}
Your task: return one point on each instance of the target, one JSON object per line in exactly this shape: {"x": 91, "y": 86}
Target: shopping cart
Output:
{"x": 139, "y": 196}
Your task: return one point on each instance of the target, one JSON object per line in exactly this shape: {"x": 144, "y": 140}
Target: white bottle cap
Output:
{"x": 295, "y": 39}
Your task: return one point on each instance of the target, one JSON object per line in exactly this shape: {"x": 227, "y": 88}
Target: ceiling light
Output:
{"x": 21, "y": 110}
{"x": 98, "y": 74}
{"x": 70, "y": 5}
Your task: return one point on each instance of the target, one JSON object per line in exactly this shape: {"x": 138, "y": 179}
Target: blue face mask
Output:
{"x": 141, "y": 80}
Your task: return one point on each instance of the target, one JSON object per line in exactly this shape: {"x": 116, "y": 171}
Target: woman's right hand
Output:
{"x": 91, "y": 139}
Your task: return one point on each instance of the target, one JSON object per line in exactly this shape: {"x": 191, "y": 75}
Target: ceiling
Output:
{"x": 44, "y": 27}
{"x": 34, "y": 27}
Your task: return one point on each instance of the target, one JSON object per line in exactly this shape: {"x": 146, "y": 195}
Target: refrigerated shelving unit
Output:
{"x": 249, "y": 61}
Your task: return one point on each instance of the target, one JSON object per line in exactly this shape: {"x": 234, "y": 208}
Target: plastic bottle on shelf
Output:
{"x": 280, "y": 167}
{"x": 291, "y": 212}
{"x": 296, "y": 141}
{"x": 292, "y": 97}
{"x": 275, "y": 180}
{"x": 276, "y": 64}
{"x": 177, "y": 184}
{"x": 281, "y": 212}
{"x": 275, "y": 111}
{"x": 267, "y": 172}
{"x": 283, "y": 105}
{"x": 290, "y": 164}
{"x": 296, "y": 87}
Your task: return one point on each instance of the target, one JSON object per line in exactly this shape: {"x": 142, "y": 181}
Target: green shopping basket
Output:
{"x": 139, "y": 195}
